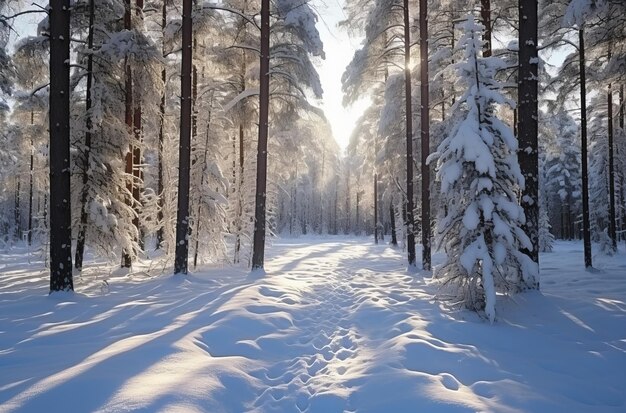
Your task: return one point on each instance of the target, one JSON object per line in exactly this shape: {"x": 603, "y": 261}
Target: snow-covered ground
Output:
{"x": 336, "y": 325}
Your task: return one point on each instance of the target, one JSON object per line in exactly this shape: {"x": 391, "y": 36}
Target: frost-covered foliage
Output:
{"x": 110, "y": 206}
{"x": 479, "y": 174}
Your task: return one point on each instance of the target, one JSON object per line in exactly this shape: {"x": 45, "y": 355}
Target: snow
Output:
{"x": 333, "y": 325}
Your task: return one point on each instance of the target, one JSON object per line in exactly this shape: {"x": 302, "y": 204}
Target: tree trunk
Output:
{"x": 30, "y": 187}
{"x": 485, "y": 16}
{"x": 160, "y": 231}
{"x": 357, "y": 224}
{"x": 410, "y": 222}
{"x": 392, "y": 219}
{"x": 59, "y": 116}
{"x": 335, "y": 229}
{"x": 84, "y": 196}
{"x": 425, "y": 132}
{"x": 527, "y": 126}
{"x": 128, "y": 118}
{"x": 17, "y": 210}
{"x": 137, "y": 168}
{"x": 258, "y": 251}
{"x": 182, "y": 214}
{"x": 376, "y": 209}
{"x": 622, "y": 175}
{"x": 612, "y": 218}
{"x": 583, "y": 148}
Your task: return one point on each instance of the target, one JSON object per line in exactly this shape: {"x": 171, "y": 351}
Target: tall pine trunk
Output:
{"x": 17, "y": 209}
{"x": 376, "y": 208}
{"x": 182, "y": 214}
{"x": 612, "y": 218}
{"x": 258, "y": 251}
{"x": 527, "y": 126}
{"x": 622, "y": 175}
{"x": 138, "y": 130}
{"x": 84, "y": 196}
{"x": 392, "y": 220}
{"x": 583, "y": 148}
{"x": 128, "y": 119}
{"x": 160, "y": 231}
{"x": 425, "y": 135}
{"x": 59, "y": 116}
{"x": 410, "y": 221}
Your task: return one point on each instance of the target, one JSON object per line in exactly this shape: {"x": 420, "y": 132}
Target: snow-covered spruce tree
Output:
{"x": 479, "y": 173}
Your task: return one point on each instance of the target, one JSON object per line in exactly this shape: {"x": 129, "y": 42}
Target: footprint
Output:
{"x": 449, "y": 382}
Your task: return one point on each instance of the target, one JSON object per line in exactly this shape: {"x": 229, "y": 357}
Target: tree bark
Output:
{"x": 30, "y": 186}
{"x": 258, "y": 252}
{"x": 527, "y": 126}
{"x": 583, "y": 148}
{"x": 392, "y": 219}
{"x": 182, "y": 214}
{"x": 376, "y": 209}
{"x": 84, "y": 196}
{"x": 410, "y": 221}
{"x": 160, "y": 231}
{"x": 18, "y": 209}
{"x": 128, "y": 118}
{"x": 485, "y": 16}
{"x": 59, "y": 116}
{"x": 425, "y": 134}
{"x": 612, "y": 218}
{"x": 137, "y": 162}
{"x": 623, "y": 172}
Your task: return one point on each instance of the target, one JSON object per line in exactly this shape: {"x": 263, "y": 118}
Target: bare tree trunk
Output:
{"x": 357, "y": 224}
{"x": 240, "y": 198}
{"x": 84, "y": 196}
{"x": 425, "y": 134}
{"x": 376, "y": 209}
{"x": 17, "y": 210}
{"x": 128, "y": 118}
{"x": 321, "y": 223}
{"x": 182, "y": 214}
{"x": 612, "y": 218}
{"x": 137, "y": 168}
{"x": 160, "y": 231}
{"x": 60, "y": 197}
{"x": 485, "y": 16}
{"x": 335, "y": 229}
{"x": 30, "y": 186}
{"x": 622, "y": 175}
{"x": 258, "y": 252}
{"x": 348, "y": 212}
{"x": 410, "y": 222}
{"x": 527, "y": 126}
{"x": 583, "y": 148}
{"x": 392, "y": 219}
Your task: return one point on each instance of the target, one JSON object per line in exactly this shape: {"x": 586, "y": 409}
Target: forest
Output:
{"x": 145, "y": 138}
{"x": 158, "y": 149}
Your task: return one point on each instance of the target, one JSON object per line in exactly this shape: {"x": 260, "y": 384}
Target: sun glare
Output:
{"x": 339, "y": 49}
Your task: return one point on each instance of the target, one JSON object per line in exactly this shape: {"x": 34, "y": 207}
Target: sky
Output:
{"x": 339, "y": 49}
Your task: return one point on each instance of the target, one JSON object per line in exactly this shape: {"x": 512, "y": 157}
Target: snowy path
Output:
{"x": 336, "y": 325}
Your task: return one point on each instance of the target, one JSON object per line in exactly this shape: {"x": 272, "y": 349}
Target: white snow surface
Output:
{"x": 334, "y": 325}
